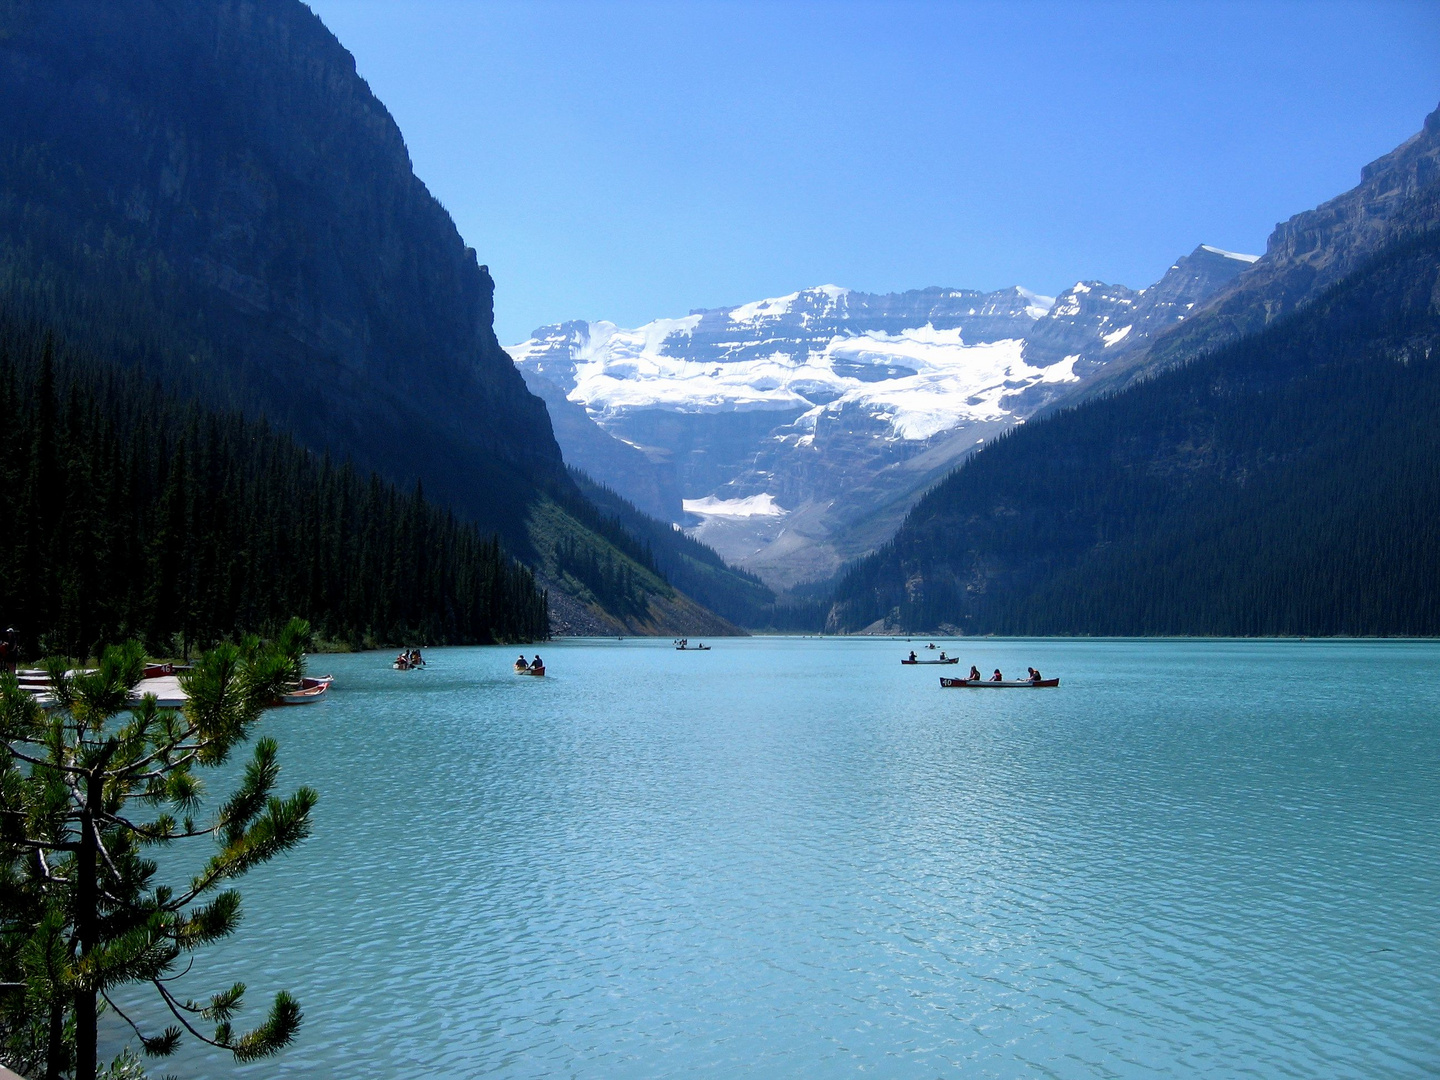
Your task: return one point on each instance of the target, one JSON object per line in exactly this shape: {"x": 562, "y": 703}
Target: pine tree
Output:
{"x": 84, "y": 791}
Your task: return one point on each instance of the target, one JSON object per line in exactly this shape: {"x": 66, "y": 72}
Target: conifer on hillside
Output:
{"x": 129, "y": 513}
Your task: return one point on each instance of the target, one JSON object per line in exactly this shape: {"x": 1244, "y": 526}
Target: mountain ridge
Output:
{"x": 1273, "y": 469}
{"x": 839, "y": 407}
{"x": 1398, "y": 194}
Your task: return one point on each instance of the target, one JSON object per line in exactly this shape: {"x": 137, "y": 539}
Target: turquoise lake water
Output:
{"x": 791, "y": 857}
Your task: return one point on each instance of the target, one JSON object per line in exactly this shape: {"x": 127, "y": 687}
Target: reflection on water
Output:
{"x": 796, "y": 857}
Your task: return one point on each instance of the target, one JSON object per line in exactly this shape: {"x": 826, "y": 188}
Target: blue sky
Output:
{"x": 633, "y": 160}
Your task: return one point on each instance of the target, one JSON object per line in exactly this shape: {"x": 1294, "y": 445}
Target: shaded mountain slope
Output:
{"x": 699, "y": 570}
{"x": 590, "y": 448}
{"x": 131, "y": 513}
{"x": 210, "y": 191}
{"x": 604, "y": 581}
{"x": 1398, "y": 196}
{"x": 1288, "y": 483}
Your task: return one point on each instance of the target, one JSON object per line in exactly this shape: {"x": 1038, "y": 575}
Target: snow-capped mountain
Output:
{"x": 798, "y": 429}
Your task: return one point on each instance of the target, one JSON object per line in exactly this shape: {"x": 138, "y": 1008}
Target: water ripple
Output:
{"x": 794, "y": 858}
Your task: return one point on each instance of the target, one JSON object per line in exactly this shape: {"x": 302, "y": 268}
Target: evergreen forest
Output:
{"x": 130, "y": 512}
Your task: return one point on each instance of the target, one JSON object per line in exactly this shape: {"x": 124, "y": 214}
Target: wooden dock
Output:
{"x": 166, "y": 688}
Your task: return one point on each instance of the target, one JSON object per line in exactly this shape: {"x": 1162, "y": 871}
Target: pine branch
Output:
{"x": 160, "y": 1046}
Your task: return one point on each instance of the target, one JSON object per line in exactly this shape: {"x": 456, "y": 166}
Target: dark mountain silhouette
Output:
{"x": 208, "y": 193}
{"x": 1282, "y": 476}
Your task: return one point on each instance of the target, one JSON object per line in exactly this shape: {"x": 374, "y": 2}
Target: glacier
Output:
{"x": 798, "y": 429}
{"x": 923, "y": 380}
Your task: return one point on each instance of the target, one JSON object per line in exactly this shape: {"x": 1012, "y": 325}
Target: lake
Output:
{"x": 795, "y": 857}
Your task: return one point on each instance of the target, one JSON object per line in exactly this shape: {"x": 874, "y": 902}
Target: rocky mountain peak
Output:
{"x": 828, "y": 405}
{"x": 1397, "y": 192}
{"x": 1188, "y": 284}
{"x": 1085, "y": 319}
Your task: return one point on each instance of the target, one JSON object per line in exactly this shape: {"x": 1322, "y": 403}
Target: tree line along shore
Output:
{"x": 133, "y": 513}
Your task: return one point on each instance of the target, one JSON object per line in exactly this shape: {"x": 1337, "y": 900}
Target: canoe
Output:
{"x": 309, "y": 691}
{"x": 530, "y": 671}
{"x": 909, "y": 663}
{"x": 692, "y": 648}
{"x": 1008, "y": 684}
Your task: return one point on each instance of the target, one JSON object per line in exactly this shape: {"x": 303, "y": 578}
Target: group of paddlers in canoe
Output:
{"x": 1032, "y": 678}
{"x": 1032, "y": 675}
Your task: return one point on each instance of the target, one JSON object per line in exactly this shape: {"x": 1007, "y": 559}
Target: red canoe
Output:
{"x": 981, "y": 684}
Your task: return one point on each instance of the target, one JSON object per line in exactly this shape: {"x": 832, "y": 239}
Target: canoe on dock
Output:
{"x": 1007, "y": 684}
{"x": 166, "y": 687}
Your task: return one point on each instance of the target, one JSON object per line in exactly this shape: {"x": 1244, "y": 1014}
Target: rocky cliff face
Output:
{"x": 1398, "y": 194}
{"x": 211, "y": 189}
{"x": 800, "y": 428}
{"x": 1315, "y": 249}
{"x": 1098, "y": 324}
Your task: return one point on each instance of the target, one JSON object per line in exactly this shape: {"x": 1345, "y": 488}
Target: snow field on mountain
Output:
{"x": 954, "y": 382}
{"x": 763, "y": 505}
{"x": 617, "y": 370}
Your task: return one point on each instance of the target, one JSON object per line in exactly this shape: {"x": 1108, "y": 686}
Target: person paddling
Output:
{"x": 1034, "y": 674}
{"x": 912, "y": 656}
{"x": 974, "y": 672}
{"x": 997, "y": 677}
